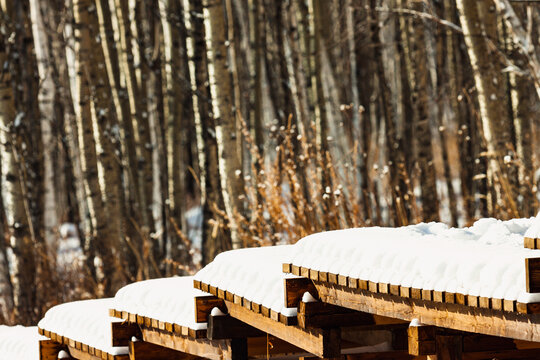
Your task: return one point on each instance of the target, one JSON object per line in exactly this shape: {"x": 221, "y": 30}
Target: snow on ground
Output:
{"x": 86, "y": 321}
{"x": 168, "y": 299}
{"x": 254, "y": 273}
{"x": 486, "y": 259}
{"x": 19, "y": 342}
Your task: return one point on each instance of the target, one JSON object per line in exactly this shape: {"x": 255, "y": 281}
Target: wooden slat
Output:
{"x": 453, "y": 316}
{"x": 323, "y": 343}
{"x": 530, "y": 243}
{"x": 295, "y": 289}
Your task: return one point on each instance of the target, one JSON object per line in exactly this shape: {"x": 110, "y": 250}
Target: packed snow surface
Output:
{"x": 486, "y": 259}
{"x": 19, "y": 342}
{"x": 254, "y": 273}
{"x": 168, "y": 299}
{"x": 533, "y": 231}
{"x": 85, "y": 321}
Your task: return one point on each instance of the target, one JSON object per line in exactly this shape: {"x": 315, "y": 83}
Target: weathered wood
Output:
{"x": 211, "y": 349}
{"x": 295, "y": 289}
{"x": 322, "y": 315}
{"x": 532, "y": 274}
{"x": 320, "y": 342}
{"x": 449, "y": 347}
{"x": 452, "y": 316}
{"x": 204, "y": 306}
{"x": 227, "y": 327}
{"x": 49, "y": 349}
{"x": 122, "y": 332}
{"x": 141, "y": 350}
{"x": 421, "y": 340}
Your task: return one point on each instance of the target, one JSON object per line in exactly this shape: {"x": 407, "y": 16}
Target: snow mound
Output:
{"x": 253, "y": 273}
{"x": 85, "y": 321}
{"x": 486, "y": 259}
{"x": 168, "y": 299}
{"x": 534, "y": 230}
{"x": 19, "y": 342}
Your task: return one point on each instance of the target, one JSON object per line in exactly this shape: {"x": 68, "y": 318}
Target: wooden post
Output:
{"x": 449, "y": 347}
{"x": 532, "y": 273}
{"x": 239, "y": 349}
{"x": 49, "y": 349}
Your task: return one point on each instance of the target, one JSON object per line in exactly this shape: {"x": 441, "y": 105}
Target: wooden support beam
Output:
{"x": 449, "y": 347}
{"x": 204, "y": 306}
{"x": 532, "y": 274}
{"x": 322, "y": 315}
{"x": 141, "y": 350}
{"x": 227, "y": 327}
{"x": 49, "y": 349}
{"x": 268, "y": 345}
{"x": 211, "y": 349}
{"x": 526, "y": 354}
{"x": 122, "y": 332}
{"x": 320, "y": 342}
{"x": 452, "y": 316}
{"x": 295, "y": 289}
{"x": 421, "y": 340}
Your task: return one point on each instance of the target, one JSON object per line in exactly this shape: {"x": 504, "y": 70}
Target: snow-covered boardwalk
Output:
{"x": 370, "y": 293}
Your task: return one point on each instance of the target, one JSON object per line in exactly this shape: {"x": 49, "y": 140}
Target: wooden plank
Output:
{"x": 286, "y": 268}
{"x": 322, "y": 315}
{"x": 49, "y": 349}
{"x": 529, "y": 243}
{"x": 532, "y": 274}
{"x": 227, "y": 327}
{"x": 204, "y": 306}
{"x": 320, "y": 342}
{"x": 452, "y": 316}
{"x": 141, "y": 350}
{"x": 295, "y": 289}
{"x": 472, "y": 300}
{"x": 211, "y": 349}
{"x": 122, "y": 332}
{"x": 484, "y": 302}
{"x": 395, "y": 290}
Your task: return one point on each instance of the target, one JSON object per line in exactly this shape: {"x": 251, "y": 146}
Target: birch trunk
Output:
{"x": 18, "y": 222}
{"x": 228, "y": 134}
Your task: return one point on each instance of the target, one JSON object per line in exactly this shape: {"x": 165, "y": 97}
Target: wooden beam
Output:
{"x": 421, "y": 340}
{"x": 141, "y": 350}
{"x": 322, "y": 315}
{"x": 449, "y": 347}
{"x": 271, "y": 346}
{"x": 320, "y": 342}
{"x": 204, "y": 306}
{"x": 528, "y": 354}
{"x": 532, "y": 274}
{"x": 211, "y": 349}
{"x": 530, "y": 243}
{"x": 49, "y": 349}
{"x": 452, "y": 316}
{"x": 122, "y": 332}
{"x": 227, "y": 327}
{"x": 295, "y": 289}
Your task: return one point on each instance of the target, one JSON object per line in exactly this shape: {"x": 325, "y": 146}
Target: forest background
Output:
{"x": 139, "y": 138}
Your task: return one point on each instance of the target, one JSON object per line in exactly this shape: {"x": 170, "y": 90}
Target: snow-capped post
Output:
{"x": 295, "y": 289}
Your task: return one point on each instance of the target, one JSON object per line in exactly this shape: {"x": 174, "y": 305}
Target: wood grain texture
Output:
{"x": 323, "y": 343}
{"x": 452, "y": 316}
